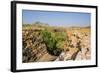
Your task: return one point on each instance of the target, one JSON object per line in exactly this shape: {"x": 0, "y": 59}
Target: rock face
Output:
{"x": 79, "y": 47}
{"x": 34, "y": 49}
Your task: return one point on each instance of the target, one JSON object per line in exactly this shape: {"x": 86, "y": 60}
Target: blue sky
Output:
{"x": 55, "y": 18}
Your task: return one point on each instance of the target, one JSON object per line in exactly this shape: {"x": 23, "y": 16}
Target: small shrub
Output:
{"x": 53, "y": 42}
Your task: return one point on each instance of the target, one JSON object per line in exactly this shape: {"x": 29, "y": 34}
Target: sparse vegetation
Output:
{"x": 46, "y": 43}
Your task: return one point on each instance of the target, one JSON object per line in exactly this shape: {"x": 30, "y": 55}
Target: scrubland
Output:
{"x": 44, "y": 43}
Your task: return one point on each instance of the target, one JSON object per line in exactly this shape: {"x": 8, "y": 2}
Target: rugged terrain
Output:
{"x": 47, "y": 43}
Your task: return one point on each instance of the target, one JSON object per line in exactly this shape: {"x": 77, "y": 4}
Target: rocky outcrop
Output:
{"x": 76, "y": 46}
{"x": 34, "y": 49}
{"x": 79, "y": 47}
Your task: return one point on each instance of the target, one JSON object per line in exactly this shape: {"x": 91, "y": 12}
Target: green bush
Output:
{"x": 53, "y": 41}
